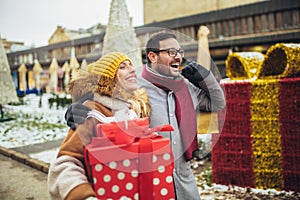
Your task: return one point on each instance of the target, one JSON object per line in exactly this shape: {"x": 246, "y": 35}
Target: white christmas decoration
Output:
{"x": 120, "y": 35}
{"x": 7, "y": 89}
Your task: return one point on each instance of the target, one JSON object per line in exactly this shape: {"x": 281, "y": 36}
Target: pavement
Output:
{"x": 24, "y": 177}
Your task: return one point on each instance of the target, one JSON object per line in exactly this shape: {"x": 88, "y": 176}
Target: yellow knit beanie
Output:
{"x": 108, "y": 64}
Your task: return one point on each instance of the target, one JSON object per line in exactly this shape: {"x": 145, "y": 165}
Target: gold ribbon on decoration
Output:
{"x": 282, "y": 60}
{"x": 243, "y": 65}
{"x": 266, "y": 133}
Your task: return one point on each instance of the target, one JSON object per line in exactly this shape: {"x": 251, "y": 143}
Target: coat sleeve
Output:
{"x": 209, "y": 96}
{"x": 67, "y": 179}
{"x": 67, "y": 176}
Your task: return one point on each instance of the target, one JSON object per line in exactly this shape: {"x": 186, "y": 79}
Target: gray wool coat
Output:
{"x": 209, "y": 98}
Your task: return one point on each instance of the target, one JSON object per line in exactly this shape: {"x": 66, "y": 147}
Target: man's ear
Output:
{"x": 152, "y": 56}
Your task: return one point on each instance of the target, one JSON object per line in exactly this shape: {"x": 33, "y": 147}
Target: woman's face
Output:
{"x": 126, "y": 77}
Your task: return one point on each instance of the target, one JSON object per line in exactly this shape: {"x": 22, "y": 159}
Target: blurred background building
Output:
{"x": 235, "y": 25}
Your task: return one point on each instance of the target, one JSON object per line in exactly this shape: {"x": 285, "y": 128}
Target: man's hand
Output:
{"x": 77, "y": 113}
{"x": 195, "y": 73}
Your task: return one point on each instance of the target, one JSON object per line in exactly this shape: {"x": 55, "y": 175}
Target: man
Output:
{"x": 174, "y": 100}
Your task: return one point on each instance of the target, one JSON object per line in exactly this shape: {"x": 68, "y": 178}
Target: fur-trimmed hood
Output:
{"x": 84, "y": 82}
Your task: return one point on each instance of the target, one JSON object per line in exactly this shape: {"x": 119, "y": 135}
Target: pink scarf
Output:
{"x": 185, "y": 112}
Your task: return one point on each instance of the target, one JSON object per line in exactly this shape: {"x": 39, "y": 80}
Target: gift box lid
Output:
{"x": 111, "y": 152}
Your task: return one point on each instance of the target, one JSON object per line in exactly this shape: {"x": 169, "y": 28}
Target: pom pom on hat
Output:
{"x": 108, "y": 64}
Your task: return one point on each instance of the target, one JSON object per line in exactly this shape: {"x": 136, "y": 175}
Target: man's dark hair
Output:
{"x": 153, "y": 42}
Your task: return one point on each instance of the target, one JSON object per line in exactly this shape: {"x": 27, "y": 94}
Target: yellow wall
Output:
{"x": 160, "y": 10}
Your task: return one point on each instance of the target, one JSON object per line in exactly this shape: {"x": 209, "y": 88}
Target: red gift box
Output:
{"x": 127, "y": 159}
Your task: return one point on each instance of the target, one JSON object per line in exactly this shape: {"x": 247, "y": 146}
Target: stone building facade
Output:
{"x": 157, "y": 10}
{"x": 249, "y": 27}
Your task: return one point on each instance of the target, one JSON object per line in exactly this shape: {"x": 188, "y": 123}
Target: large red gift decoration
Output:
{"x": 259, "y": 144}
{"x": 128, "y": 160}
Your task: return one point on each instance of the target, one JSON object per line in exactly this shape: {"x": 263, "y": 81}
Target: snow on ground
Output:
{"x": 35, "y": 122}
{"x": 47, "y": 156}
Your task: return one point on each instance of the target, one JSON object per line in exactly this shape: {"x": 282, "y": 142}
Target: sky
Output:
{"x": 34, "y": 21}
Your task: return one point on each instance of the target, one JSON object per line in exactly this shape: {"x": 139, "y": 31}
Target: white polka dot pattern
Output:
{"x": 119, "y": 179}
{"x": 101, "y": 191}
{"x": 154, "y": 158}
{"x": 106, "y": 178}
{"x": 163, "y": 191}
{"x": 167, "y": 156}
{"x": 161, "y": 169}
{"x": 115, "y": 189}
{"x": 113, "y": 165}
{"x": 134, "y": 173}
{"x": 98, "y": 167}
{"x": 129, "y": 186}
{"x": 121, "y": 175}
{"x": 124, "y": 198}
{"x": 156, "y": 181}
{"x": 126, "y": 163}
{"x": 169, "y": 179}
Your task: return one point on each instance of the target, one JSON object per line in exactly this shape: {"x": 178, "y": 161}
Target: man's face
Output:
{"x": 165, "y": 64}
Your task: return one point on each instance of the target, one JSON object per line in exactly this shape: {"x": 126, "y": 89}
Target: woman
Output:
{"x": 113, "y": 83}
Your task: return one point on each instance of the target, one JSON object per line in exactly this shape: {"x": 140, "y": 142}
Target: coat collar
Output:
{"x": 112, "y": 103}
